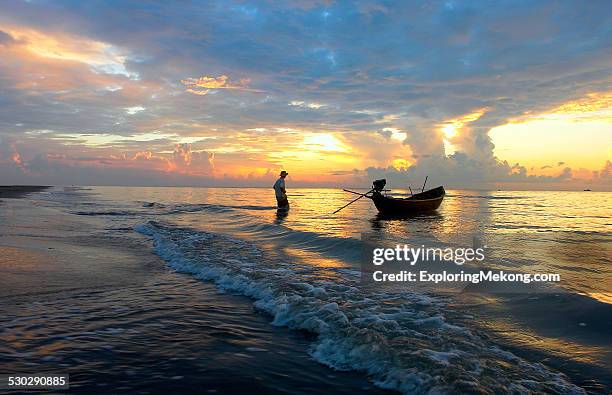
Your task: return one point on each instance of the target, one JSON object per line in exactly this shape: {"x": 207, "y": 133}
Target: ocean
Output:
{"x": 243, "y": 290}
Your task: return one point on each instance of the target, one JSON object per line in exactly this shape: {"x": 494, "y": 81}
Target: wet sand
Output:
{"x": 17, "y": 191}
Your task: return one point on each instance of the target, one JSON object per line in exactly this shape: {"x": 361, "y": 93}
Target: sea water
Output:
{"x": 301, "y": 270}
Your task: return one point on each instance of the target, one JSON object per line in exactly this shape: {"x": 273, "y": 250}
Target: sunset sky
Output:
{"x": 474, "y": 94}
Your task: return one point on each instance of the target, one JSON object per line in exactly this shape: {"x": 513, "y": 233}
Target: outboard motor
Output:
{"x": 379, "y": 185}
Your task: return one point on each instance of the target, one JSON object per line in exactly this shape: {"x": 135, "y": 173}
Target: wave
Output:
{"x": 219, "y": 207}
{"x": 346, "y": 248}
{"x": 110, "y": 213}
{"x": 403, "y": 342}
{"x": 152, "y": 205}
{"x": 189, "y": 208}
{"x": 163, "y": 209}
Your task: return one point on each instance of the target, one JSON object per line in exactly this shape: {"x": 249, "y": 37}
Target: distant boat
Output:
{"x": 423, "y": 202}
{"x": 586, "y": 190}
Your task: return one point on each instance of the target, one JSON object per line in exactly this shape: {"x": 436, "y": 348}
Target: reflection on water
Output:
{"x": 311, "y": 256}
{"x": 280, "y": 216}
{"x": 550, "y": 222}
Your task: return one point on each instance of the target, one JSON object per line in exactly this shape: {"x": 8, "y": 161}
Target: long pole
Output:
{"x": 356, "y": 193}
{"x": 422, "y": 189}
{"x": 353, "y": 201}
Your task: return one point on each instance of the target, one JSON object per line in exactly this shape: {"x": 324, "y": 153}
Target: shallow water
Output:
{"x": 302, "y": 269}
{"x": 101, "y": 307}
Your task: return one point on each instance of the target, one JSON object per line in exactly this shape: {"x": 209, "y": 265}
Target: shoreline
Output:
{"x": 110, "y": 313}
{"x": 18, "y": 191}
{"x": 90, "y": 242}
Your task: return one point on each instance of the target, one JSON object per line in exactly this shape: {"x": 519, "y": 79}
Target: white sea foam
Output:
{"x": 404, "y": 343}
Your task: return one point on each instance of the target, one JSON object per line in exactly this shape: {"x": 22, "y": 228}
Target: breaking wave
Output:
{"x": 403, "y": 342}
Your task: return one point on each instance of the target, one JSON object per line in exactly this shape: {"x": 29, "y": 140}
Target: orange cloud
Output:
{"x": 605, "y": 173}
{"x": 192, "y": 162}
{"x": 10, "y": 155}
{"x": 595, "y": 105}
{"x": 16, "y": 159}
{"x": 71, "y": 67}
{"x": 182, "y": 160}
{"x": 58, "y": 46}
{"x": 204, "y": 84}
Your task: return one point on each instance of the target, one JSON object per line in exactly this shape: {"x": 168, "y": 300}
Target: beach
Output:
{"x": 306, "y": 197}
{"x": 157, "y": 290}
{"x": 113, "y": 317}
{"x": 17, "y": 191}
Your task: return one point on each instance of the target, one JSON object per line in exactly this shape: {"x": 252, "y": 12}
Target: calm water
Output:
{"x": 301, "y": 270}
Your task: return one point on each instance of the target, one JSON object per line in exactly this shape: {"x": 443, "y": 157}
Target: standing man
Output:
{"x": 281, "y": 193}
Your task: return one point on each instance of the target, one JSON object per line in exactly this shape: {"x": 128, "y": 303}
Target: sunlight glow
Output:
{"x": 543, "y": 144}
{"x": 323, "y": 142}
{"x": 401, "y": 164}
{"x": 452, "y": 127}
{"x": 577, "y": 134}
{"x": 396, "y": 134}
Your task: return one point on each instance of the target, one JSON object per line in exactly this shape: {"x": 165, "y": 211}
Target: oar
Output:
{"x": 353, "y": 201}
{"x": 422, "y": 189}
{"x": 363, "y": 194}
{"x": 356, "y": 193}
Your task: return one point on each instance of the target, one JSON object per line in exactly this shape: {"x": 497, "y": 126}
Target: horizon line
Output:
{"x": 298, "y": 187}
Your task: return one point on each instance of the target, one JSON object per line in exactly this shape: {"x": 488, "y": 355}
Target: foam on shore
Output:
{"x": 403, "y": 342}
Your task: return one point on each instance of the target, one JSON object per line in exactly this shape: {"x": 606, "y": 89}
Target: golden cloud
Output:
{"x": 72, "y": 67}
{"x": 593, "y": 106}
{"x": 452, "y": 127}
{"x": 99, "y": 55}
{"x": 203, "y": 85}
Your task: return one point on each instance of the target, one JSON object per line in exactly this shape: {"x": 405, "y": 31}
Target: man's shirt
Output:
{"x": 279, "y": 186}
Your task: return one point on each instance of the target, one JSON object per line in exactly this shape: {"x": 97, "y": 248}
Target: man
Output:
{"x": 281, "y": 193}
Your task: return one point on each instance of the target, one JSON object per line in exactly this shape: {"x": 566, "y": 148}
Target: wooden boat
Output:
{"x": 418, "y": 203}
{"x": 389, "y": 206}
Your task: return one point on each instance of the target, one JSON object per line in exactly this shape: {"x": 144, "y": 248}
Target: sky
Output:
{"x": 474, "y": 94}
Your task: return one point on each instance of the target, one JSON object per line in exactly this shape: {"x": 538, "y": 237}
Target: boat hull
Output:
{"x": 420, "y": 203}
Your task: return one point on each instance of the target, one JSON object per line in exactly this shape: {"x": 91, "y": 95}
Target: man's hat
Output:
{"x": 283, "y": 173}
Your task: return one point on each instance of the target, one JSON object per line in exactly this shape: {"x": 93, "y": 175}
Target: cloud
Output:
{"x": 192, "y": 162}
{"x": 460, "y": 171}
{"x": 134, "y": 110}
{"x": 311, "y": 105}
{"x": 365, "y": 67}
{"x": 100, "y": 56}
{"x": 11, "y": 157}
{"x": 605, "y": 174}
{"x": 592, "y": 106}
{"x": 5, "y": 38}
{"x": 203, "y": 85}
